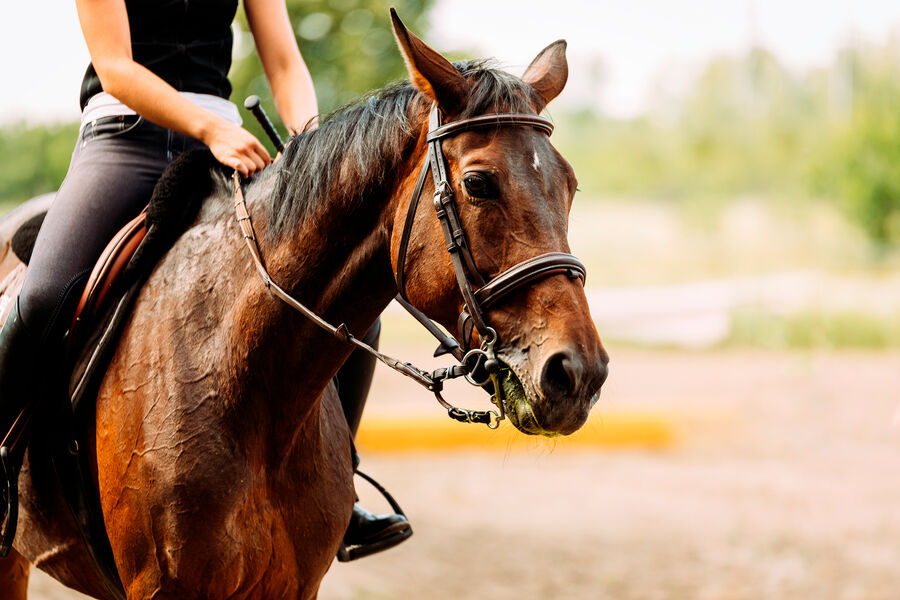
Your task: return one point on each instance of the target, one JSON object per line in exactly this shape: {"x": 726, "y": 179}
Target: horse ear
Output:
{"x": 430, "y": 72}
{"x": 548, "y": 72}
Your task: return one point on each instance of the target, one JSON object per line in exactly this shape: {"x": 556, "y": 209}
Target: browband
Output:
{"x": 491, "y": 120}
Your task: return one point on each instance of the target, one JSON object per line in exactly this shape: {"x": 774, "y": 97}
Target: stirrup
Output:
{"x": 349, "y": 553}
{"x": 11, "y": 493}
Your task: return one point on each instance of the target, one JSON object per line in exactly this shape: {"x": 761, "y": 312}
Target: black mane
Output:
{"x": 357, "y": 149}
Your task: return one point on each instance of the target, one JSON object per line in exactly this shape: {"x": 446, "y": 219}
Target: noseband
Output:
{"x": 477, "y": 295}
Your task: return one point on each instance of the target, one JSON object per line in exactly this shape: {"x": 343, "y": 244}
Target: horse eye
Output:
{"x": 479, "y": 185}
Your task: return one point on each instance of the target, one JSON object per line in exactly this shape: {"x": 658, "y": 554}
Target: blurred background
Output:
{"x": 739, "y": 215}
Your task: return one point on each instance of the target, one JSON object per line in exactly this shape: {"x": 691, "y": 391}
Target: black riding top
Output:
{"x": 185, "y": 42}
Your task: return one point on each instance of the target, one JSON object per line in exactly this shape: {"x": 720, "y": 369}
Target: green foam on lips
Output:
{"x": 518, "y": 410}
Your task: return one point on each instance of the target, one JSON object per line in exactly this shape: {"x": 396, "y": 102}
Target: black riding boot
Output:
{"x": 367, "y": 533}
{"x": 18, "y": 386}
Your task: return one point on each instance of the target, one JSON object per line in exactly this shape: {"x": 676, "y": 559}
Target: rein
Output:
{"x": 433, "y": 382}
{"x": 479, "y": 366}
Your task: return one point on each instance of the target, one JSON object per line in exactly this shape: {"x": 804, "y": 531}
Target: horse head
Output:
{"x": 509, "y": 281}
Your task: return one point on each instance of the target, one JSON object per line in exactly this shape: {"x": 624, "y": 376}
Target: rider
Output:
{"x": 157, "y": 86}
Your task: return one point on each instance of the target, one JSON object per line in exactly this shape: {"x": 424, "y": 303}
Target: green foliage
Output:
{"x": 862, "y": 167}
{"x": 348, "y": 46}
{"x": 750, "y": 126}
{"x": 747, "y": 125}
{"x": 35, "y": 159}
{"x": 813, "y": 329}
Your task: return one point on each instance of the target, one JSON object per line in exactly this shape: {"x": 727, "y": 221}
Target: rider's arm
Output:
{"x": 292, "y": 86}
{"x": 105, "y": 27}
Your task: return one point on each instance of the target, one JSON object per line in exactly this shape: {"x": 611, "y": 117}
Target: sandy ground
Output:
{"x": 784, "y": 484}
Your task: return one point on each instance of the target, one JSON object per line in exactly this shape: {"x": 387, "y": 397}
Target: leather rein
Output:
{"x": 480, "y": 365}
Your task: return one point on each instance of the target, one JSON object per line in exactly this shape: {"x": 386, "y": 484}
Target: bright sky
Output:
{"x": 617, "y": 49}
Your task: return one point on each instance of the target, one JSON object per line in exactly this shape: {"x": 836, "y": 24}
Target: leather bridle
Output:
{"x": 479, "y": 366}
{"x": 477, "y": 294}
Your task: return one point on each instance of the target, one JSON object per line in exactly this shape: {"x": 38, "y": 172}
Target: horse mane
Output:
{"x": 356, "y": 149}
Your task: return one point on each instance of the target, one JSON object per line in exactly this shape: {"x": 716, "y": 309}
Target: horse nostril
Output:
{"x": 562, "y": 374}
{"x": 603, "y": 371}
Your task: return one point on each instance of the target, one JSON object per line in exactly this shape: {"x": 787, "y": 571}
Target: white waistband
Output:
{"x": 104, "y": 105}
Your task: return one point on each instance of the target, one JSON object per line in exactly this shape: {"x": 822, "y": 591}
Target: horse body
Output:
{"x": 224, "y": 460}
{"x": 238, "y": 424}
{"x": 218, "y": 408}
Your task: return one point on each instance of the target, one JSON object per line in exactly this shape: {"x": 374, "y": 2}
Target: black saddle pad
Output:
{"x": 22, "y": 242}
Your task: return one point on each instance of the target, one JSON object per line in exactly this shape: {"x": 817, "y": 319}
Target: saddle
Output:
{"x": 99, "y": 319}
{"x": 101, "y": 283}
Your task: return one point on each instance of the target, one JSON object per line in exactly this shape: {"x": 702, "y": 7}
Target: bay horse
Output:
{"x": 223, "y": 456}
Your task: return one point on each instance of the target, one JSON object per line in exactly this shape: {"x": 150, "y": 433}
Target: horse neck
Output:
{"x": 338, "y": 265}
{"x": 338, "y": 262}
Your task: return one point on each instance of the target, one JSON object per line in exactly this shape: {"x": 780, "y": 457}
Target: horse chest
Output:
{"x": 220, "y": 496}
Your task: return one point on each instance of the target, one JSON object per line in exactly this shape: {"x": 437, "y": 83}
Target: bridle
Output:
{"x": 477, "y": 294}
{"x": 480, "y": 365}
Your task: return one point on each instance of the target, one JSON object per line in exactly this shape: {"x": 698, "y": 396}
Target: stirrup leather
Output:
{"x": 11, "y": 497}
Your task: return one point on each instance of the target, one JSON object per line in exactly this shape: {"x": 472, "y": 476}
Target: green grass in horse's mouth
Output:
{"x": 516, "y": 405}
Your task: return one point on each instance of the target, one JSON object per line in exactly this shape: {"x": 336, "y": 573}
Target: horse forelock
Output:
{"x": 358, "y": 148}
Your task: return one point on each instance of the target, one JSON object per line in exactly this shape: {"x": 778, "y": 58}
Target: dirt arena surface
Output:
{"x": 784, "y": 483}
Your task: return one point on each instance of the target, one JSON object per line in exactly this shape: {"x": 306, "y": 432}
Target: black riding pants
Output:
{"x": 116, "y": 163}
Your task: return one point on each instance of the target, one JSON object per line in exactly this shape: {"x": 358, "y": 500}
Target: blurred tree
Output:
{"x": 347, "y": 44}
{"x": 35, "y": 160}
{"x": 746, "y": 125}
{"x": 862, "y": 165}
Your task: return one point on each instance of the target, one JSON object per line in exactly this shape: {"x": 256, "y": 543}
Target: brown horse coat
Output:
{"x": 223, "y": 455}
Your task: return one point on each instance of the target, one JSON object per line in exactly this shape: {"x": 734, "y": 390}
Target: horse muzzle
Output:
{"x": 558, "y": 400}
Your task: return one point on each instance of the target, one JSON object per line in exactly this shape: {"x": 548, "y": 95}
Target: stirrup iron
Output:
{"x": 351, "y": 553}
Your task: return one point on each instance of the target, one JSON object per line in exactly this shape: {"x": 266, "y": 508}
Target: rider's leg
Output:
{"x": 355, "y": 378}
{"x": 114, "y": 168}
{"x": 367, "y": 533}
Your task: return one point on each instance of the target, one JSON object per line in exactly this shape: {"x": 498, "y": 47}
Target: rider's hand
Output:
{"x": 235, "y": 147}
